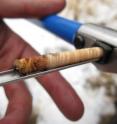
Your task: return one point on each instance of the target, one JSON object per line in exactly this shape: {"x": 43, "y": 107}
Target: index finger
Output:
{"x": 60, "y": 90}
{"x": 29, "y": 8}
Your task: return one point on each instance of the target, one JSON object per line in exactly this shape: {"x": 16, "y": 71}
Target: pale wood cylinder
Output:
{"x": 50, "y": 61}
{"x": 72, "y": 57}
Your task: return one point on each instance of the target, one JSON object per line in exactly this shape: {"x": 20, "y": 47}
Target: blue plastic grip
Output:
{"x": 62, "y": 27}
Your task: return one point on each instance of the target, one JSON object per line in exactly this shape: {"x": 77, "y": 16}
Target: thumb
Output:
{"x": 29, "y": 8}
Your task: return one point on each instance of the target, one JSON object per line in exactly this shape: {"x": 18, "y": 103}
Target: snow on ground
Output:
{"x": 94, "y": 100}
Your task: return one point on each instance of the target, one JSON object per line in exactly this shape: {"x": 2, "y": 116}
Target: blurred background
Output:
{"x": 97, "y": 90}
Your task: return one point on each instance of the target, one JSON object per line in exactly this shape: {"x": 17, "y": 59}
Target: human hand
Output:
{"x": 13, "y": 47}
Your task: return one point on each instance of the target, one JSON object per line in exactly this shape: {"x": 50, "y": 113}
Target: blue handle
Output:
{"x": 62, "y": 27}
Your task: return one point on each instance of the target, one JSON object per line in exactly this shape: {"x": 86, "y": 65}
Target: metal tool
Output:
{"x": 10, "y": 76}
{"x": 78, "y": 34}
{"x": 73, "y": 31}
{"x": 83, "y": 35}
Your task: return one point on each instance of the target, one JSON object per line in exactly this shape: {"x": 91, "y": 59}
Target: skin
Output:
{"x": 13, "y": 47}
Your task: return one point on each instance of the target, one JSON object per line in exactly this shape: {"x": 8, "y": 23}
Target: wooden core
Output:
{"x": 50, "y": 61}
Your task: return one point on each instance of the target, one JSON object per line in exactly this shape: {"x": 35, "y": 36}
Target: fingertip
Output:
{"x": 77, "y": 112}
{"x": 47, "y": 8}
{"x": 54, "y": 7}
{"x": 62, "y": 4}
